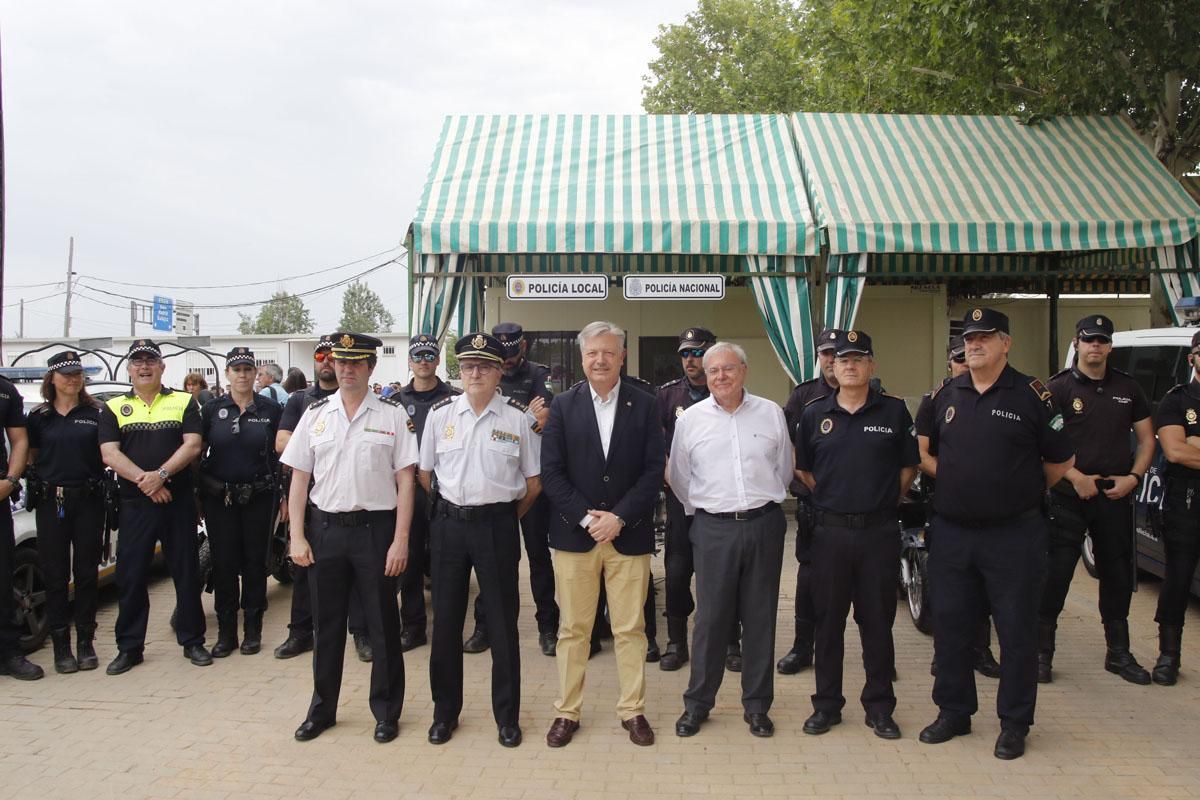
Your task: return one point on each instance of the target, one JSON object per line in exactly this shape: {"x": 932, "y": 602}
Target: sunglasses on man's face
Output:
{"x": 961, "y": 358}
{"x": 693, "y": 352}
{"x": 427, "y": 357}
{"x": 1095, "y": 339}
{"x": 322, "y": 355}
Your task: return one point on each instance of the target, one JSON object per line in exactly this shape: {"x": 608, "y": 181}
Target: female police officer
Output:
{"x": 64, "y": 449}
{"x": 238, "y": 493}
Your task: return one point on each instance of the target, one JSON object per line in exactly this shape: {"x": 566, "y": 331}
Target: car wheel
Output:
{"x": 29, "y": 598}
{"x": 917, "y": 590}
{"x": 1088, "y": 551}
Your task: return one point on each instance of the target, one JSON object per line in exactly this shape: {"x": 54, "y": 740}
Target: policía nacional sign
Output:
{"x": 557, "y": 287}
{"x": 674, "y": 287}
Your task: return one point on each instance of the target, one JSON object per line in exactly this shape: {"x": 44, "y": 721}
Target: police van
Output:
{"x": 1157, "y": 360}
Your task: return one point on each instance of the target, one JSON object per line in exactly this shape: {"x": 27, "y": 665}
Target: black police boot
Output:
{"x": 1166, "y": 669}
{"x": 18, "y": 666}
{"x": 252, "y": 637}
{"x": 297, "y": 642}
{"x": 87, "y": 653}
{"x": 801, "y": 654}
{"x": 652, "y": 652}
{"x": 64, "y": 659}
{"x": 477, "y": 642}
{"x": 733, "y": 656}
{"x": 985, "y": 663}
{"x": 362, "y": 646}
{"x": 677, "y": 646}
{"x": 227, "y": 640}
{"x": 1117, "y": 658}
{"x": 1045, "y": 657}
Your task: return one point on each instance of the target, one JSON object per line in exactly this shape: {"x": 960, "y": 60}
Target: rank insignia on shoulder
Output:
{"x": 517, "y": 404}
{"x": 1040, "y": 389}
{"x": 445, "y": 401}
{"x": 318, "y": 403}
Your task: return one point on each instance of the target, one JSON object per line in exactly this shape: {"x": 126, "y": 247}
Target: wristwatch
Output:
{"x": 163, "y": 474}
{"x": 16, "y": 482}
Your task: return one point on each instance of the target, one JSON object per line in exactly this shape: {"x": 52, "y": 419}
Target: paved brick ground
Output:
{"x": 168, "y": 729}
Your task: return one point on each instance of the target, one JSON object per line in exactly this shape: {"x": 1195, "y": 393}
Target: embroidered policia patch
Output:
{"x": 127, "y": 410}
{"x": 223, "y": 413}
{"x": 826, "y": 425}
{"x": 949, "y": 413}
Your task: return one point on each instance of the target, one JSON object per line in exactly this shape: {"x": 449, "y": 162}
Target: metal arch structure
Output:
{"x": 183, "y": 348}
{"x": 100, "y": 354}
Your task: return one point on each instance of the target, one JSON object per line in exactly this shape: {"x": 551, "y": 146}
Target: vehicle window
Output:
{"x": 1156, "y": 368}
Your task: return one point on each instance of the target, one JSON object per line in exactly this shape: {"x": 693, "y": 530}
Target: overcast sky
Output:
{"x": 225, "y": 142}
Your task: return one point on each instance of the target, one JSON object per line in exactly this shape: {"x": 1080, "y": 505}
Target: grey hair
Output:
{"x": 722, "y": 347}
{"x": 599, "y": 328}
{"x": 275, "y": 371}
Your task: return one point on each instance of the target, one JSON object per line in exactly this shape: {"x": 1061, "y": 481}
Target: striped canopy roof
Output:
{"x": 970, "y": 184}
{"x": 721, "y": 185}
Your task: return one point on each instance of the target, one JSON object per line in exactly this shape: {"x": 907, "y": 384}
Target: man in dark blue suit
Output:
{"x": 602, "y": 466}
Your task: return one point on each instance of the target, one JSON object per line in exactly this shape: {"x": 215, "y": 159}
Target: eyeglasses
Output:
{"x": 694, "y": 352}
{"x": 1095, "y": 339}
{"x": 476, "y": 369}
{"x": 144, "y": 361}
{"x": 426, "y": 357}
{"x": 961, "y": 358}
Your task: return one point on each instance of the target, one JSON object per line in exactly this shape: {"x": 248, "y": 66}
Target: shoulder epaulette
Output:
{"x": 392, "y": 400}
{"x": 675, "y": 382}
{"x": 1176, "y": 388}
{"x": 1040, "y": 390}
{"x": 318, "y": 403}
{"x": 445, "y": 401}
{"x": 1059, "y": 374}
{"x": 516, "y": 404}
{"x": 945, "y": 382}
{"x": 816, "y": 399}
{"x": 637, "y": 380}
{"x": 1120, "y": 372}
{"x": 538, "y": 365}
{"x": 44, "y": 408}
{"x": 579, "y": 383}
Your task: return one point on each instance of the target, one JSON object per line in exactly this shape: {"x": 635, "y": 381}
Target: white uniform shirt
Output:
{"x": 353, "y": 461}
{"x": 722, "y": 462}
{"x": 484, "y": 459}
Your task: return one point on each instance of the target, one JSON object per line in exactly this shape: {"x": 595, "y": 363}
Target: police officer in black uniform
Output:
{"x": 998, "y": 439}
{"x": 66, "y": 493}
{"x": 825, "y": 384}
{"x": 1178, "y": 425}
{"x": 425, "y": 389}
{"x": 300, "y": 628}
{"x": 238, "y": 496}
{"x": 12, "y": 417}
{"x": 1100, "y": 406}
{"x": 530, "y": 384}
{"x": 956, "y": 364}
{"x": 857, "y": 453}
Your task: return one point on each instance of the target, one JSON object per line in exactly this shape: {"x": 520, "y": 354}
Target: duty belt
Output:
{"x": 742, "y": 516}
{"x": 874, "y": 519}
{"x": 472, "y": 513}
{"x": 239, "y": 493}
{"x": 347, "y": 519}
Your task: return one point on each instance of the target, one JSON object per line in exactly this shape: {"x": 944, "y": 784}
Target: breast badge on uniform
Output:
{"x": 448, "y": 433}
{"x": 1077, "y": 404}
{"x": 826, "y": 425}
{"x": 126, "y": 410}
{"x": 1190, "y": 415}
{"x": 411, "y": 409}
{"x": 223, "y": 413}
{"x": 949, "y": 414}
{"x": 318, "y": 427}
{"x": 678, "y": 412}
{"x": 505, "y": 436}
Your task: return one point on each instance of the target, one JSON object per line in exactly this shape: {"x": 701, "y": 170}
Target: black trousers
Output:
{"x": 412, "y": 580}
{"x": 491, "y": 546}
{"x": 1004, "y": 566}
{"x": 1181, "y": 540}
{"x": 855, "y": 567}
{"x": 680, "y": 565}
{"x": 1111, "y": 525}
{"x": 806, "y": 614}
{"x": 144, "y": 523}
{"x": 535, "y": 530}
{"x": 10, "y": 633}
{"x": 239, "y": 537}
{"x": 68, "y": 546}
{"x": 345, "y": 557}
{"x": 301, "y": 614}
{"x": 737, "y": 577}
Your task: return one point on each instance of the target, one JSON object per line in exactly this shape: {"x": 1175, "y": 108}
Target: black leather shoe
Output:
{"x": 362, "y": 646}
{"x": 19, "y": 667}
{"x": 124, "y": 662}
{"x": 310, "y": 730}
{"x": 884, "y": 726}
{"x": 594, "y": 648}
{"x": 198, "y": 654}
{"x": 821, "y": 721}
{"x": 412, "y": 639}
{"x": 224, "y": 646}
{"x": 793, "y": 662}
{"x": 986, "y": 663}
{"x": 1010, "y": 744}
{"x": 652, "y": 652}
{"x": 510, "y": 735}
{"x": 943, "y": 729}
{"x": 689, "y": 723}
{"x": 440, "y": 732}
{"x": 548, "y": 642}
{"x": 386, "y": 731}
{"x": 675, "y": 657}
{"x": 296, "y": 644}
{"x": 477, "y": 642}
{"x": 733, "y": 658}
{"x": 760, "y": 725}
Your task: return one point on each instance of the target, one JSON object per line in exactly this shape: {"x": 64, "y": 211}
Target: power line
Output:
{"x": 34, "y": 300}
{"x": 244, "y": 285}
{"x": 30, "y": 285}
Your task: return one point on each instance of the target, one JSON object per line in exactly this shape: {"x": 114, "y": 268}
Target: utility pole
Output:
{"x": 133, "y": 318}
{"x": 21, "y": 329}
{"x": 67, "y": 310}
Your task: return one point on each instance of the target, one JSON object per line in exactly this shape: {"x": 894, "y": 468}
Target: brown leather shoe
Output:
{"x": 561, "y": 731}
{"x": 639, "y": 731}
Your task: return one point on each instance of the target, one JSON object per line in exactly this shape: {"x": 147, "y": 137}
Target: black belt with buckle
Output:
{"x": 472, "y": 513}
{"x": 872, "y": 520}
{"x": 347, "y": 519}
{"x": 742, "y": 516}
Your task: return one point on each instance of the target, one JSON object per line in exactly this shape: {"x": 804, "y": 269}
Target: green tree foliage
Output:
{"x": 1031, "y": 58}
{"x": 363, "y": 310}
{"x": 284, "y": 313}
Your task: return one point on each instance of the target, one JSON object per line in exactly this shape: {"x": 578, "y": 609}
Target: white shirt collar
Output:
{"x": 611, "y": 395}
{"x": 462, "y": 405}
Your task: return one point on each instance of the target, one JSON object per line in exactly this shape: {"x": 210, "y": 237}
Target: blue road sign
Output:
{"x": 164, "y": 313}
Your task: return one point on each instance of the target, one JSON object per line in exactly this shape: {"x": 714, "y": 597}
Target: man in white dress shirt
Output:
{"x": 730, "y": 465}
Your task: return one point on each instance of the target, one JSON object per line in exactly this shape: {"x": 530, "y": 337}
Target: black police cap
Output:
{"x": 1095, "y": 325}
{"x": 696, "y": 337}
{"x": 510, "y": 335}
{"x": 239, "y": 355}
{"x": 423, "y": 343}
{"x": 349, "y": 346}
{"x": 481, "y": 346}
{"x": 853, "y": 342}
{"x": 144, "y": 346}
{"x": 67, "y": 362}
{"x": 984, "y": 320}
{"x": 324, "y": 344}
{"x": 827, "y": 339}
{"x": 956, "y": 347}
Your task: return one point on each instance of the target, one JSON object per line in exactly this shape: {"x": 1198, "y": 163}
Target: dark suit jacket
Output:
{"x": 576, "y": 476}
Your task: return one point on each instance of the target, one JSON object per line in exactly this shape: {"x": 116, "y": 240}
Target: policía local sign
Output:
{"x": 557, "y": 287}
{"x": 674, "y": 287}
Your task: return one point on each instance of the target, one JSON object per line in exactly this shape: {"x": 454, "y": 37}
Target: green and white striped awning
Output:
{"x": 712, "y": 185}
{"x": 884, "y": 183}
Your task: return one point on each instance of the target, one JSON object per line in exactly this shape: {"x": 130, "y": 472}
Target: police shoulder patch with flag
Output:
{"x": 1056, "y": 422}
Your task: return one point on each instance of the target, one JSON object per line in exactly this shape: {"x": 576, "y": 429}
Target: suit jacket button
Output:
{"x": 604, "y": 505}
{"x": 606, "y": 479}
